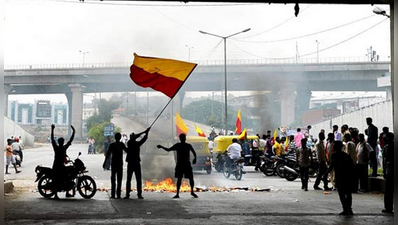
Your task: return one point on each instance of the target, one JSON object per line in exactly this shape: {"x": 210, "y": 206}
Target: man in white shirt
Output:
{"x": 234, "y": 151}
{"x": 337, "y": 134}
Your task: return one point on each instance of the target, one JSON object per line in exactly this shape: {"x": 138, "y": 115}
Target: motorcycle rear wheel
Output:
{"x": 225, "y": 171}
{"x": 86, "y": 187}
{"x": 45, "y": 187}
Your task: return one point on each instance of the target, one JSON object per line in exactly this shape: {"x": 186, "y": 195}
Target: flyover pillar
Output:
{"x": 75, "y": 103}
{"x": 7, "y": 91}
{"x": 288, "y": 99}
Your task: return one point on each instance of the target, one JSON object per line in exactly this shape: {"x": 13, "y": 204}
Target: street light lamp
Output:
{"x": 84, "y": 55}
{"x": 189, "y": 52}
{"x": 225, "y": 69}
{"x": 380, "y": 11}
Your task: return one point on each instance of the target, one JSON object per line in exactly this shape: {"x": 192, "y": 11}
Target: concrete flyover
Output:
{"x": 73, "y": 80}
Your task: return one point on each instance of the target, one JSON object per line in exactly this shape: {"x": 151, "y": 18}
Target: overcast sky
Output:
{"x": 44, "y": 32}
{"x": 53, "y": 32}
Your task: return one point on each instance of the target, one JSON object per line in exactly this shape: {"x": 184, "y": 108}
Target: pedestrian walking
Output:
{"x": 10, "y": 158}
{"x": 321, "y": 153}
{"x": 303, "y": 157}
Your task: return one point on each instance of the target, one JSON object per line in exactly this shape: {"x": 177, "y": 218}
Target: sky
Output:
{"x": 58, "y": 31}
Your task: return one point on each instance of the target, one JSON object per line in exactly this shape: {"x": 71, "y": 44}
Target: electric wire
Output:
{"x": 310, "y": 34}
{"x": 311, "y": 53}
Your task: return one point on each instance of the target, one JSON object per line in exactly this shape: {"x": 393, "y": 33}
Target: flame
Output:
{"x": 166, "y": 185}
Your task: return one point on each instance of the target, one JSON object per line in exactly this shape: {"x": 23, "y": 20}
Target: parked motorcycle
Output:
{"x": 281, "y": 162}
{"x": 291, "y": 169}
{"x": 235, "y": 168}
{"x": 75, "y": 179}
{"x": 269, "y": 165}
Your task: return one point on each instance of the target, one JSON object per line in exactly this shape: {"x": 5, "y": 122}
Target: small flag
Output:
{"x": 243, "y": 134}
{"x": 164, "y": 75}
{"x": 200, "y": 132}
{"x": 238, "y": 123}
{"x": 274, "y": 137}
{"x": 180, "y": 125}
{"x": 287, "y": 143}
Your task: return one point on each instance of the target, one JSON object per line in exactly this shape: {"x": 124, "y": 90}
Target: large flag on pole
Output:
{"x": 164, "y": 75}
{"x": 238, "y": 123}
{"x": 200, "y": 132}
{"x": 180, "y": 125}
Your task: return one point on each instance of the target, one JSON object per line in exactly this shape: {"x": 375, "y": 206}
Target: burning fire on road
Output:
{"x": 168, "y": 185}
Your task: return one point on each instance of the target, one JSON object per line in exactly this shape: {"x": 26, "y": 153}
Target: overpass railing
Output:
{"x": 230, "y": 62}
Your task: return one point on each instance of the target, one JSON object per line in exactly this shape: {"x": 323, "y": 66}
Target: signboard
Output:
{"x": 109, "y": 130}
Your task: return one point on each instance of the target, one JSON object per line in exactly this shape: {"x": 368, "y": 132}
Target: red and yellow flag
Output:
{"x": 180, "y": 125}
{"x": 164, "y": 75}
{"x": 274, "y": 137}
{"x": 200, "y": 132}
{"x": 238, "y": 123}
{"x": 243, "y": 134}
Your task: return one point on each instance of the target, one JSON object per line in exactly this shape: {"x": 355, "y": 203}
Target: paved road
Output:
{"x": 285, "y": 203}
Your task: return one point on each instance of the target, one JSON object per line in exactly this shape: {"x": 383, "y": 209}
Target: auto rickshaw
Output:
{"x": 221, "y": 144}
{"x": 201, "y": 147}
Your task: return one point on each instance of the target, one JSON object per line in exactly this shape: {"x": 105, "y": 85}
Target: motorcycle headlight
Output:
{"x": 208, "y": 158}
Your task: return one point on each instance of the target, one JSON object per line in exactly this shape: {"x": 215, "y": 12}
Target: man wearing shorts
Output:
{"x": 183, "y": 166}
{"x": 10, "y": 158}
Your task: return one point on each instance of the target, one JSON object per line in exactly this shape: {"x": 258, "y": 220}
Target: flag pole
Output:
{"x": 161, "y": 112}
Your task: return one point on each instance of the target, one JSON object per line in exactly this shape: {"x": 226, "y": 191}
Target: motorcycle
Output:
{"x": 75, "y": 179}
{"x": 17, "y": 157}
{"x": 281, "y": 162}
{"x": 269, "y": 165}
{"x": 236, "y": 168}
{"x": 291, "y": 169}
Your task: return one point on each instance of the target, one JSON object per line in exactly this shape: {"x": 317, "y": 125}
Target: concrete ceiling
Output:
{"x": 357, "y": 2}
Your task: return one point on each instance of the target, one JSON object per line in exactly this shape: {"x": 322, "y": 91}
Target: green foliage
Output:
{"x": 96, "y": 123}
{"x": 97, "y": 132}
{"x": 104, "y": 113}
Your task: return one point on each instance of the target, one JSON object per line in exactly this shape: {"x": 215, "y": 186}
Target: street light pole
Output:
{"x": 84, "y": 54}
{"x": 225, "y": 71}
{"x": 317, "y": 51}
{"x": 189, "y": 52}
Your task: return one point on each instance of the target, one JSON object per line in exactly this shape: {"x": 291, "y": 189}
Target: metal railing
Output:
{"x": 230, "y": 62}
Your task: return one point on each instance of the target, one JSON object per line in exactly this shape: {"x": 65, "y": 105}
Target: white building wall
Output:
{"x": 381, "y": 113}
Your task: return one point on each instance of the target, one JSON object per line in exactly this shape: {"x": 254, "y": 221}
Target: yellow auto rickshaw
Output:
{"x": 221, "y": 144}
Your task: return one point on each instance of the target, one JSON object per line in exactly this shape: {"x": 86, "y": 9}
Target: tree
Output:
{"x": 97, "y": 132}
{"x": 104, "y": 113}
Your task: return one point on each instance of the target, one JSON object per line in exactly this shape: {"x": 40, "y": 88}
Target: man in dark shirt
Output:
{"x": 106, "y": 147}
{"x": 344, "y": 174}
{"x": 116, "y": 151}
{"x": 183, "y": 166}
{"x": 60, "y": 159}
{"x": 133, "y": 162}
{"x": 373, "y": 135}
{"x": 388, "y": 172}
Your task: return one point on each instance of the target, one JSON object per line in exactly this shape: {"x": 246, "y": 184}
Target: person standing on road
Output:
{"x": 183, "y": 165}
{"x": 134, "y": 161}
{"x": 298, "y": 136}
{"x": 303, "y": 157}
{"x": 16, "y": 146}
{"x": 116, "y": 152}
{"x": 344, "y": 173}
{"x": 107, "y": 143}
{"x": 363, "y": 149}
{"x": 329, "y": 151}
{"x": 320, "y": 148}
{"x": 388, "y": 172}
{"x": 10, "y": 158}
{"x": 373, "y": 135}
{"x": 60, "y": 159}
